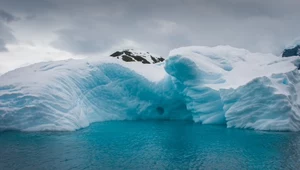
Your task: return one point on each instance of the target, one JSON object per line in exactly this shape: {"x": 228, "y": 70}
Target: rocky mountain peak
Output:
{"x": 130, "y": 55}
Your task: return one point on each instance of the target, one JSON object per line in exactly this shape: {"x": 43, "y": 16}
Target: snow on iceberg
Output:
{"x": 219, "y": 85}
{"x": 69, "y": 95}
{"x": 239, "y": 88}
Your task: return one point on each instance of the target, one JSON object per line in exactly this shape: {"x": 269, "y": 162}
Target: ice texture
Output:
{"x": 208, "y": 85}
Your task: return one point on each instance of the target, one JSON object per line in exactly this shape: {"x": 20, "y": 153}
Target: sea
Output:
{"x": 143, "y": 145}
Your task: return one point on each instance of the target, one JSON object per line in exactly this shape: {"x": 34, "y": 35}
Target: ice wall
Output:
{"x": 236, "y": 87}
{"x": 208, "y": 85}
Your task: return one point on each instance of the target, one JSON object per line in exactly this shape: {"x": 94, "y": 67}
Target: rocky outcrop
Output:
{"x": 291, "y": 52}
{"x": 131, "y": 55}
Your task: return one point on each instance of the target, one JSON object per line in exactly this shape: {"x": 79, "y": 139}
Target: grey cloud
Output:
{"x": 93, "y": 26}
{"x": 6, "y": 36}
{"x": 6, "y": 33}
{"x": 248, "y": 8}
{"x": 7, "y": 17}
{"x": 28, "y": 7}
{"x": 82, "y": 41}
{"x": 94, "y": 38}
{"x": 2, "y": 46}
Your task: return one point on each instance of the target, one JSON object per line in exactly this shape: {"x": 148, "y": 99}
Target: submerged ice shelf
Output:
{"x": 209, "y": 85}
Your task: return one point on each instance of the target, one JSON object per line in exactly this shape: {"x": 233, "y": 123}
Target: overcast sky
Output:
{"x": 42, "y": 30}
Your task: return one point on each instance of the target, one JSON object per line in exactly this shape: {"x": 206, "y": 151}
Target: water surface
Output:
{"x": 150, "y": 145}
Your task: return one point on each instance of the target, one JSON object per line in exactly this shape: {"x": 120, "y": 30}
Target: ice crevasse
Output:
{"x": 208, "y": 85}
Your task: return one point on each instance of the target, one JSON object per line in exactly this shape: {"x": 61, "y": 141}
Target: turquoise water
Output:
{"x": 150, "y": 145}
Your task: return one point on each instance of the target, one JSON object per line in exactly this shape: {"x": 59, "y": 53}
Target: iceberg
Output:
{"x": 207, "y": 85}
{"x": 238, "y": 88}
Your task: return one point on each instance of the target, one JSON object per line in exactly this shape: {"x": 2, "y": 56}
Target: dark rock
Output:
{"x": 154, "y": 59}
{"x": 291, "y": 52}
{"x": 127, "y": 58}
{"x": 133, "y": 56}
{"x": 161, "y": 59}
{"x": 115, "y": 54}
{"x": 141, "y": 59}
{"x": 127, "y": 53}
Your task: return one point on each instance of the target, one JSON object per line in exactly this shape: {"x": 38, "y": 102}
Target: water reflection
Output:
{"x": 150, "y": 145}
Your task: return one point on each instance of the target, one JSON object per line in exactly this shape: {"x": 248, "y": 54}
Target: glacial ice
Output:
{"x": 208, "y": 85}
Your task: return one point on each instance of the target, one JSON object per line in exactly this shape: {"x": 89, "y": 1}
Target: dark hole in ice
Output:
{"x": 160, "y": 110}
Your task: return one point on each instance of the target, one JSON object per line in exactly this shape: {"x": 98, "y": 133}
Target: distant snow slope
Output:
{"x": 218, "y": 85}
